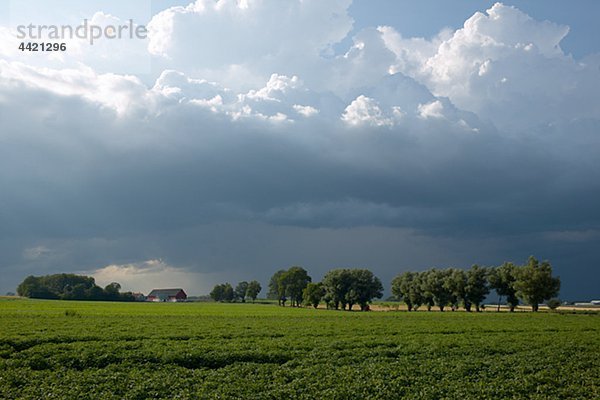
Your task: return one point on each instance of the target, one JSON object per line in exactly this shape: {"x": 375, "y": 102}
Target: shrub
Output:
{"x": 553, "y": 303}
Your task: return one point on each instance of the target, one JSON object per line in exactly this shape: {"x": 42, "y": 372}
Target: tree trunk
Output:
{"x": 535, "y": 307}
{"x": 499, "y": 300}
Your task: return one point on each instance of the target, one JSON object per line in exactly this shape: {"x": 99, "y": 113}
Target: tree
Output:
{"x": 364, "y": 287}
{"x": 313, "y": 293}
{"x": 222, "y": 292}
{"x": 347, "y": 287}
{"x": 276, "y": 291}
{"x": 95, "y": 293}
{"x": 228, "y": 292}
{"x": 112, "y": 290}
{"x": 426, "y": 288}
{"x": 502, "y": 279}
{"x": 29, "y": 287}
{"x": 253, "y": 290}
{"x": 553, "y": 303}
{"x": 402, "y": 285}
{"x": 217, "y": 293}
{"x": 456, "y": 282}
{"x": 336, "y": 283}
{"x": 535, "y": 283}
{"x": 476, "y": 288}
{"x": 294, "y": 281}
{"x": 439, "y": 288}
{"x": 69, "y": 287}
{"x": 241, "y": 291}
{"x": 415, "y": 293}
{"x": 78, "y": 292}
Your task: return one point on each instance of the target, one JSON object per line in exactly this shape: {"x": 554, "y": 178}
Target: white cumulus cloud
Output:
{"x": 435, "y": 109}
{"x": 253, "y": 35}
{"x": 504, "y": 66}
{"x": 365, "y": 111}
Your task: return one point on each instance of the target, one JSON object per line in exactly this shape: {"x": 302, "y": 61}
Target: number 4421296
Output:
{"x": 33, "y": 46}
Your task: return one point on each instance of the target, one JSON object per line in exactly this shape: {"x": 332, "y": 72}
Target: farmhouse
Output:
{"x": 167, "y": 295}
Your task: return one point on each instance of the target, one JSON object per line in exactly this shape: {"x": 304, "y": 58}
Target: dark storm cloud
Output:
{"x": 74, "y": 175}
{"x": 82, "y": 178}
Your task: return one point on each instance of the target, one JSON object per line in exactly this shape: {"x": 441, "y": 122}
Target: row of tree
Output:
{"x": 532, "y": 283}
{"x": 244, "y": 290}
{"x": 339, "y": 288}
{"x": 70, "y": 287}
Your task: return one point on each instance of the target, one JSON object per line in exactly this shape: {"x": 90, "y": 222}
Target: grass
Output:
{"x": 91, "y": 350}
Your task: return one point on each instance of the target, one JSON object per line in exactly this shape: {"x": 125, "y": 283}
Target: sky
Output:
{"x": 241, "y": 137}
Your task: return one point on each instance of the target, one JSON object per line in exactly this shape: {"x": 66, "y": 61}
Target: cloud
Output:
{"x": 152, "y": 274}
{"x": 181, "y": 135}
{"x": 504, "y": 66}
{"x": 365, "y": 110}
{"x": 306, "y": 111}
{"x": 434, "y": 109}
{"x": 117, "y": 92}
{"x": 253, "y": 35}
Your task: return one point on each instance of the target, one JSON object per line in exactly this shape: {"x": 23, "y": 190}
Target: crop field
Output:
{"x": 96, "y": 350}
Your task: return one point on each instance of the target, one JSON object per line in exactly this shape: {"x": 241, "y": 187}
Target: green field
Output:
{"x": 95, "y": 350}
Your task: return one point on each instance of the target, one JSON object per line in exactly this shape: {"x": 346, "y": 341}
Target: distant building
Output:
{"x": 171, "y": 295}
{"x": 595, "y": 302}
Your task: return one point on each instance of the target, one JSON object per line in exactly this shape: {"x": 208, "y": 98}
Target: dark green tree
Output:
{"x": 228, "y": 292}
{"x": 276, "y": 290}
{"x": 455, "y": 283}
{"x": 241, "y": 290}
{"x": 217, "y": 294}
{"x": 553, "y": 303}
{"x": 69, "y": 287}
{"x": 313, "y": 293}
{"x": 440, "y": 293}
{"x": 223, "y": 292}
{"x": 364, "y": 287}
{"x": 95, "y": 293}
{"x": 402, "y": 287}
{"x": 254, "y": 289}
{"x": 477, "y": 287}
{"x": 502, "y": 279}
{"x": 336, "y": 284}
{"x": 415, "y": 294}
{"x": 347, "y": 287}
{"x": 112, "y": 291}
{"x": 535, "y": 283}
{"x": 294, "y": 281}
{"x": 426, "y": 288}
